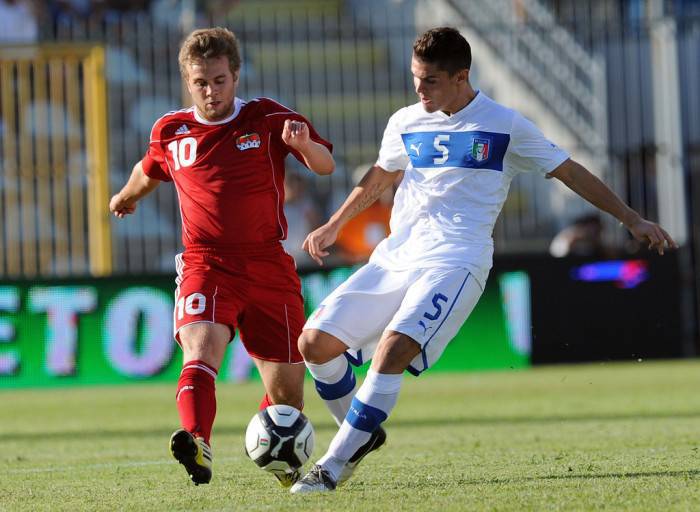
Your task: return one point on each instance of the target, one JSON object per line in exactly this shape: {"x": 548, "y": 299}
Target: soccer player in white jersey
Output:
{"x": 460, "y": 150}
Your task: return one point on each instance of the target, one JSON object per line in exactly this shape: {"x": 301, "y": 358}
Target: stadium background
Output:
{"x": 86, "y": 360}
{"x": 613, "y": 82}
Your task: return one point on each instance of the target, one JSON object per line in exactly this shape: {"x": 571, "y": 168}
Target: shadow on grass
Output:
{"x": 586, "y": 476}
{"x": 327, "y": 425}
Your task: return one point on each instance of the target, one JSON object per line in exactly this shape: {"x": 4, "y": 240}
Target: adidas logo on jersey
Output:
{"x": 248, "y": 141}
{"x": 182, "y": 130}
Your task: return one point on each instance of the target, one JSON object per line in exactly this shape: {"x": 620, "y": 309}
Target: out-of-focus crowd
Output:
{"x": 28, "y": 21}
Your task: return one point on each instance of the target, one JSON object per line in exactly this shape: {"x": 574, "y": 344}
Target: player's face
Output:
{"x": 212, "y": 87}
{"x": 436, "y": 89}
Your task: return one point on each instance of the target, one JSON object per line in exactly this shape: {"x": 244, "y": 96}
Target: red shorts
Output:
{"x": 258, "y": 293}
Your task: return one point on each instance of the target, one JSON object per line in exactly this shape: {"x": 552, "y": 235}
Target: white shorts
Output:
{"x": 429, "y": 305}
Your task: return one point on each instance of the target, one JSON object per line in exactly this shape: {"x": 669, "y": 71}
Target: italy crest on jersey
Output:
{"x": 248, "y": 141}
{"x": 480, "y": 150}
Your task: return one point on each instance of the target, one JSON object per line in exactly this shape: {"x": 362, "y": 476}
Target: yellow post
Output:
{"x": 10, "y": 168}
{"x": 43, "y": 90}
{"x": 42, "y": 170}
{"x": 59, "y": 166}
{"x": 99, "y": 226}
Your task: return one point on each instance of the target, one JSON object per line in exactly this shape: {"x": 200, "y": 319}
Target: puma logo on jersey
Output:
{"x": 416, "y": 148}
{"x": 425, "y": 327}
{"x": 182, "y": 130}
{"x": 248, "y": 141}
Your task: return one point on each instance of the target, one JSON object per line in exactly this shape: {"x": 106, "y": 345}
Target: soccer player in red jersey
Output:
{"x": 226, "y": 159}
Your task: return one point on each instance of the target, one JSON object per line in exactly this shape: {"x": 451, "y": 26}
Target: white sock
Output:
{"x": 335, "y": 383}
{"x": 372, "y": 405}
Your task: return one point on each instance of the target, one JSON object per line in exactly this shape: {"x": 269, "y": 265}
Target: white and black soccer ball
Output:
{"x": 279, "y": 439}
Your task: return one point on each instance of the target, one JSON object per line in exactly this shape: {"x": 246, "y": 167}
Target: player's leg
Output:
{"x": 269, "y": 325}
{"x": 335, "y": 382}
{"x": 360, "y": 432}
{"x": 269, "y": 329}
{"x": 284, "y": 382}
{"x": 432, "y": 312}
{"x": 203, "y": 345}
{"x": 204, "y": 318}
{"x": 353, "y": 316}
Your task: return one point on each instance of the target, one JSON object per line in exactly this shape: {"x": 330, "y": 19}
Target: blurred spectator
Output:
{"x": 362, "y": 233}
{"x": 62, "y": 10}
{"x": 188, "y": 13}
{"x": 584, "y": 237}
{"x": 302, "y": 216}
{"x": 18, "y": 21}
{"x": 70, "y": 8}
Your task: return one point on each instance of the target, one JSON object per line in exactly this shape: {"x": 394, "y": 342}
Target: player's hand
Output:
{"x": 652, "y": 234}
{"x": 121, "y": 207}
{"x": 295, "y": 134}
{"x": 318, "y": 240}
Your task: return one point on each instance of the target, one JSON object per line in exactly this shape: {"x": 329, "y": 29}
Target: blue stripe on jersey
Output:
{"x": 339, "y": 389}
{"x": 474, "y": 150}
{"x": 364, "y": 417}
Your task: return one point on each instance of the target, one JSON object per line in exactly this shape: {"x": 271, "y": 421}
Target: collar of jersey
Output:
{"x": 237, "y": 104}
{"x": 467, "y": 108}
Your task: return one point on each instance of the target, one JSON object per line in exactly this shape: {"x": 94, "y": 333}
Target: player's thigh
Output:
{"x": 271, "y": 323}
{"x": 284, "y": 382}
{"x": 434, "y": 309}
{"x": 204, "y": 296}
{"x": 358, "y": 310}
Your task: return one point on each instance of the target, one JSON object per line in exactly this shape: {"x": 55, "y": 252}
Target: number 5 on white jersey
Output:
{"x": 441, "y": 148}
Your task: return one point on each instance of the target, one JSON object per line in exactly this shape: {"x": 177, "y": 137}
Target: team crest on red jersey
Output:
{"x": 248, "y": 141}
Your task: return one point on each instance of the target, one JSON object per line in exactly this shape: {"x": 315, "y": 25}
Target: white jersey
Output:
{"x": 458, "y": 171}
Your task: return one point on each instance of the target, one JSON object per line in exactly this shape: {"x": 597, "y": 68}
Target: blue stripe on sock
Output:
{"x": 339, "y": 389}
{"x": 364, "y": 417}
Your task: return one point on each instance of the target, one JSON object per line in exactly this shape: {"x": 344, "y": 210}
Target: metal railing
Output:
{"x": 53, "y": 161}
{"x": 557, "y": 68}
{"x": 347, "y": 67}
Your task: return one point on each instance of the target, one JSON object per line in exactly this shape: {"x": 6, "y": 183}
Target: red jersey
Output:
{"x": 229, "y": 174}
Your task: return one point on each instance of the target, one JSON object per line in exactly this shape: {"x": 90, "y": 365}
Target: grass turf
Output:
{"x": 588, "y": 437}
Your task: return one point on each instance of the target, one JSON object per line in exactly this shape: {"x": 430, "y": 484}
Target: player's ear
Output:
{"x": 463, "y": 75}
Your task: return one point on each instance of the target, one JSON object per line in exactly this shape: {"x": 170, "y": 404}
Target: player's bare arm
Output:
{"x": 364, "y": 194}
{"x": 316, "y": 156}
{"x": 139, "y": 185}
{"x": 588, "y": 186}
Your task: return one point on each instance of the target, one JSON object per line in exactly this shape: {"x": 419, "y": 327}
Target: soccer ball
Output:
{"x": 279, "y": 439}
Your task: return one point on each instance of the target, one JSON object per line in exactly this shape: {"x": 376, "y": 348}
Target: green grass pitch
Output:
{"x": 589, "y": 437}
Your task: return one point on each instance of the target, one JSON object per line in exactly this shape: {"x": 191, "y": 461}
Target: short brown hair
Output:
{"x": 210, "y": 43}
{"x": 445, "y": 47}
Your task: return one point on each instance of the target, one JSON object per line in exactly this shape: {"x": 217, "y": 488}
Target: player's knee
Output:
{"x": 311, "y": 346}
{"x": 193, "y": 348}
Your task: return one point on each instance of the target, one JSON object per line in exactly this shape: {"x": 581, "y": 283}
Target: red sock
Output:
{"x": 196, "y": 398}
{"x": 265, "y": 403}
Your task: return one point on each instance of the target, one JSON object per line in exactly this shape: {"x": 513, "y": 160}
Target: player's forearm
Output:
{"x": 363, "y": 195}
{"x": 318, "y": 158}
{"x": 138, "y": 185}
{"x": 593, "y": 190}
